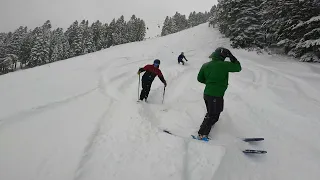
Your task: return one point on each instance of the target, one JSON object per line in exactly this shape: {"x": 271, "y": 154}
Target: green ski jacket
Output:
{"x": 215, "y": 75}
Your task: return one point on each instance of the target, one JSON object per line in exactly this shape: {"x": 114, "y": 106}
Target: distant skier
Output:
{"x": 151, "y": 71}
{"x": 181, "y": 57}
{"x": 215, "y": 75}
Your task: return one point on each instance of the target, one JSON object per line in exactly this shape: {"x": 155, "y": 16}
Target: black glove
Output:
{"x": 230, "y": 55}
{"x": 225, "y": 53}
{"x": 233, "y": 59}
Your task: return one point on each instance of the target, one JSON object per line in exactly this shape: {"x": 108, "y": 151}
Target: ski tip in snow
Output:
{"x": 252, "y": 139}
{"x": 166, "y": 131}
{"x": 253, "y": 151}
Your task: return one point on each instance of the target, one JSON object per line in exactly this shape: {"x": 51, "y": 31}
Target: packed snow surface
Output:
{"x": 78, "y": 119}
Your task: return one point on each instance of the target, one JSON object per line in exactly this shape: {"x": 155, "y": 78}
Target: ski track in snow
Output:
{"x": 101, "y": 132}
{"x": 93, "y": 139}
{"x": 22, "y": 115}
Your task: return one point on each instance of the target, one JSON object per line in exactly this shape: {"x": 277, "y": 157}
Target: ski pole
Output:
{"x": 164, "y": 91}
{"x": 139, "y": 87}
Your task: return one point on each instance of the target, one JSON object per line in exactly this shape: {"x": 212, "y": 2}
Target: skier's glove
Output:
{"x": 230, "y": 55}
{"x": 233, "y": 59}
{"x": 224, "y": 52}
{"x": 227, "y": 53}
{"x": 138, "y": 72}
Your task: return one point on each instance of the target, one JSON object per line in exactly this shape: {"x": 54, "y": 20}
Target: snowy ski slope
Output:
{"x": 78, "y": 119}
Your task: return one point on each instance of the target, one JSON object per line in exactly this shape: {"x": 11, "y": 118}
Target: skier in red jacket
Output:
{"x": 151, "y": 71}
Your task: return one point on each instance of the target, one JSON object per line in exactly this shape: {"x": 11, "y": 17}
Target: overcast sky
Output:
{"x": 62, "y": 13}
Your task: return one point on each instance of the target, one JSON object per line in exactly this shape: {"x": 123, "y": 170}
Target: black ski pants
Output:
{"x": 181, "y": 61}
{"x": 214, "y": 108}
{"x": 146, "y": 86}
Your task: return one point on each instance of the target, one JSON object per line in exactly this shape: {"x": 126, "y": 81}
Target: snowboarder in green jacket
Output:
{"x": 215, "y": 75}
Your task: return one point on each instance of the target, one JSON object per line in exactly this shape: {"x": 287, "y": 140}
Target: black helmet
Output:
{"x": 156, "y": 62}
{"x": 223, "y": 52}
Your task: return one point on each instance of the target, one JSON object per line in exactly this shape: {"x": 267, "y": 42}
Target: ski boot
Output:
{"x": 202, "y": 137}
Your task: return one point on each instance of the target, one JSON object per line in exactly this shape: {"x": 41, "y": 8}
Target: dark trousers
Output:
{"x": 146, "y": 86}
{"x": 181, "y": 61}
{"x": 214, "y": 108}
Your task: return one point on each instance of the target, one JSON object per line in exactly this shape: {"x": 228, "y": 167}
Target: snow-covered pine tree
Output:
{"x": 107, "y": 38}
{"x": 200, "y": 18}
{"x": 141, "y": 27}
{"x": 56, "y": 47}
{"x": 53, "y": 46}
{"x": 291, "y": 25}
{"x": 18, "y": 36}
{"x": 41, "y": 46}
{"x": 66, "y": 48}
{"x": 183, "y": 23}
{"x": 14, "y": 45}
{"x": 6, "y": 43}
{"x": 5, "y": 61}
{"x": 98, "y": 35}
{"x": 40, "y": 52}
{"x": 72, "y": 33}
{"x": 226, "y": 15}
{"x": 272, "y": 16}
{"x": 173, "y": 26}
{"x": 166, "y": 27}
{"x": 36, "y": 54}
{"x": 245, "y": 31}
{"x": 88, "y": 44}
{"x": 132, "y": 27}
{"x": 2, "y": 45}
{"x": 192, "y": 19}
{"x": 77, "y": 44}
{"x": 282, "y": 20}
{"x": 46, "y": 28}
{"x": 213, "y": 10}
{"x": 212, "y": 15}
{"x": 2, "y": 37}
{"x": 55, "y": 54}
{"x": 119, "y": 33}
{"x": 180, "y": 21}
{"x": 305, "y": 31}
{"x": 110, "y": 32}
{"x": 308, "y": 47}
{"x": 25, "y": 49}
{"x": 241, "y": 21}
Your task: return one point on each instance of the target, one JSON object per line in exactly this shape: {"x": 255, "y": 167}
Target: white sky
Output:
{"x": 62, "y": 13}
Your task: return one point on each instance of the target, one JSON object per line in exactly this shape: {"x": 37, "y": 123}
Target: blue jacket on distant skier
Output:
{"x": 181, "y": 57}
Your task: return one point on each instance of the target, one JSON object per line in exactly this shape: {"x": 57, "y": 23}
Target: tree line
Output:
{"x": 291, "y": 27}
{"x": 39, "y": 46}
{"x": 179, "y": 22}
